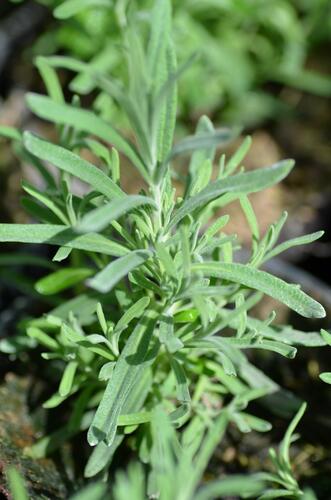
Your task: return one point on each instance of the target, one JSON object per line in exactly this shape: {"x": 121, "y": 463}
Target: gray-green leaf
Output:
{"x": 129, "y": 366}
{"x": 85, "y": 120}
{"x": 99, "y": 218}
{"x": 56, "y": 234}
{"x": 73, "y": 164}
{"x": 245, "y": 183}
{"x": 106, "y": 279}
{"x": 248, "y": 276}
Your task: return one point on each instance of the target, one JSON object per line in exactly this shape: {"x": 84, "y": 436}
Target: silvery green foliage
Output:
{"x": 159, "y": 314}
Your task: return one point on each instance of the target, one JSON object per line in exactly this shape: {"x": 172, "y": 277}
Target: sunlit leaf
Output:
{"x": 250, "y": 277}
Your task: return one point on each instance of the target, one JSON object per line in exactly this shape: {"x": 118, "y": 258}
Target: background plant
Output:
{"x": 159, "y": 306}
{"x": 241, "y": 47}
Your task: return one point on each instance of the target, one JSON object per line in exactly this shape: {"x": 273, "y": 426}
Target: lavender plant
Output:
{"x": 152, "y": 319}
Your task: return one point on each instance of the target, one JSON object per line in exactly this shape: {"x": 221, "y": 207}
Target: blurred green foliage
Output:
{"x": 244, "y": 48}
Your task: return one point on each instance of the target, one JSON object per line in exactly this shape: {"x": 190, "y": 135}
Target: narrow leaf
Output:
{"x": 245, "y": 183}
{"x": 301, "y": 240}
{"x": 326, "y": 377}
{"x": 183, "y": 393}
{"x": 86, "y": 121}
{"x": 61, "y": 280}
{"x": 167, "y": 335}
{"x": 16, "y": 484}
{"x": 129, "y": 366}
{"x": 290, "y": 295}
{"x": 68, "y": 378}
{"x": 61, "y": 236}
{"x": 202, "y": 141}
{"x": 135, "y": 311}
{"x": 73, "y": 164}
{"x": 238, "y": 156}
{"x": 70, "y": 8}
{"x": 106, "y": 279}
{"x": 98, "y": 219}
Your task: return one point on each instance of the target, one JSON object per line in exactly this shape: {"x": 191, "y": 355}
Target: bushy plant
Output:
{"x": 152, "y": 319}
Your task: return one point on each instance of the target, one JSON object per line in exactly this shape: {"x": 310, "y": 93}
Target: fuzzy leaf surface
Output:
{"x": 248, "y": 276}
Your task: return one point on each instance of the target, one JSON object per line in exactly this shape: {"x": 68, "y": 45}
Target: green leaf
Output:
{"x": 84, "y": 120}
{"x": 89, "y": 342}
{"x": 284, "y": 449}
{"x": 55, "y": 400}
{"x": 286, "y": 334}
{"x": 213, "y": 438}
{"x": 50, "y": 78}
{"x": 68, "y": 378}
{"x": 82, "y": 307}
{"x": 73, "y": 164}
{"x": 269, "y": 345}
{"x": 326, "y": 336}
{"x": 106, "y": 279}
{"x": 134, "y": 418}
{"x": 245, "y": 183}
{"x": 183, "y": 393}
{"x": 212, "y": 230}
{"x": 101, "y": 318}
{"x": 42, "y": 338}
{"x": 61, "y": 280}
{"x": 238, "y": 156}
{"x": 205, "y": 140}
{"x": 301, "y": 240}
{"x": 135, "y": 311}
{"x": 166, "y": 259}
{"x": 275, "y": 494}
{"x": 102, "y": 454}
{"x": 167, "y": 114}
{"x": 53, "y": 234}
{"x": 10, "y": 133}
{"x": 94, "y": 491}
{"x": 227, "y": 364}
{"x": 70, "y": 8}
{"x": 16, "y": 484}
{"x": 106, "y": 371}
{"x": 167, "y": 335}
{"x": 248, "y": 276}
{"x": 38, "y": 212}
{"x": 25, "y": 259}
{"x": 46, "y": 200}
{"x": 251, "y": 219}
{"x": 159, "y": 33}
{"x": 202, "y": 178}
{"x": 61, "y": 254}
{"x": 326, "y": 377}
{"x": 186, "y": 316}
{"x": 199, "y": 156}
{"x": 129, "y": 367}
{"x": 255, "y": 423}
{"x": 99, "y": 218}
{"x": 235, "y": 485}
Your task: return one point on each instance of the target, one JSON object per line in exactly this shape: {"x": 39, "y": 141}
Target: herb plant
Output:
{"x": 151, "y": 319}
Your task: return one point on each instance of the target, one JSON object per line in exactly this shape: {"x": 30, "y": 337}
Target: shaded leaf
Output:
{"x": 61, "y": 280}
